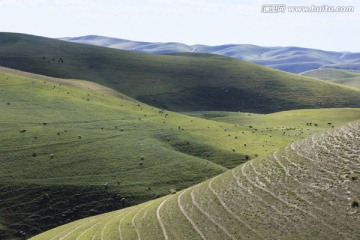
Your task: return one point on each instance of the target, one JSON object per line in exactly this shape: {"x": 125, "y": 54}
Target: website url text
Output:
{"x": 283, "y": 8}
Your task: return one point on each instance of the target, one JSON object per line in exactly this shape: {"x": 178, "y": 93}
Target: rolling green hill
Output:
{"x": 308, "y": 190}
{"x": 183, "y": 82}
{"x": 346, "y": 77}
{"x": 319, "y": 118}
{"x": 72, "y": 149}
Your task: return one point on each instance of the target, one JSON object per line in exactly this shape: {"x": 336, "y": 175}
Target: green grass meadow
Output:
{"x": 72, "y": 149}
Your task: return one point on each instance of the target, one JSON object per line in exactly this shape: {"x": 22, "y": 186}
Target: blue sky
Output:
{"x": 189, "y": 21}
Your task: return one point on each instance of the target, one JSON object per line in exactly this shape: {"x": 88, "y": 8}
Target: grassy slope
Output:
{"x": 74, "y": 178}
{"x": 309, "y": 190}
{"x": 79, "y": 169}
{"x": 349, "y": 78}
{"x": 184, "y": 82}
{"x": 294, "y": 119}
{"x": 71, "y": 185}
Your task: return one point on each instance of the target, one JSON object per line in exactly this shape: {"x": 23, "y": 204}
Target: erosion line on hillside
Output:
{"x": 119, "y": 226}
{"x": 193, "y": 224}
{"x": 284, "y": 201}
{"x": 282, "y": 165}
{"x": 257, "y": 196}
{"x": 77, "y": 228}
{"x": 229, "y": 210}
{"x": 66, "y": 230}
{"x": 159, "y": 217}
{"x": 84, "y": 232}
{"x": 133, "y": 221}
{"x": 208, "y": 216}
{"x": 103, "y": 230}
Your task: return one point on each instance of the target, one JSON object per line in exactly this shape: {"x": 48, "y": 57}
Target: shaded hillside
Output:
{"x": 185, "y": 82}
{"x": 309, "y": 190}
{"x": 290, "y": 59}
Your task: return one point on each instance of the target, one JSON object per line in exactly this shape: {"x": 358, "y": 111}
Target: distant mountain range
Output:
{"x": 289, "y": 59}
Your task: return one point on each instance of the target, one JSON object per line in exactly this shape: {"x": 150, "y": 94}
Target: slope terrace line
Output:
{"x": 302, "y": 183}
{"x": 316, "y": 162}
{"x": 288, "y": 159}
{"x": 77, "y": 225}
{"x": 84, "y": 232}
{"x": 282, "y": 165}
{"x": 159, "y": 217}
{"x": 347, "y": 130}
{"x": 112, "y": 218}
{"x": 133, "y": 220}
{"x": 76, "y": 229}
{"x": 343, "y": 161}
{"x": 338, "y": 153}
{"x": 252, "y": 205}
{"x": 257, "y": 196}
{"x": 122, "y": 219}
{"x": 310, "y": 203}
{"x": 231, "y": 212}
{"x": 193, "y": 224}
{"x": 103, "y": 230}
{"x": 208, "y": 216}
{"x": 285, "y": 202}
